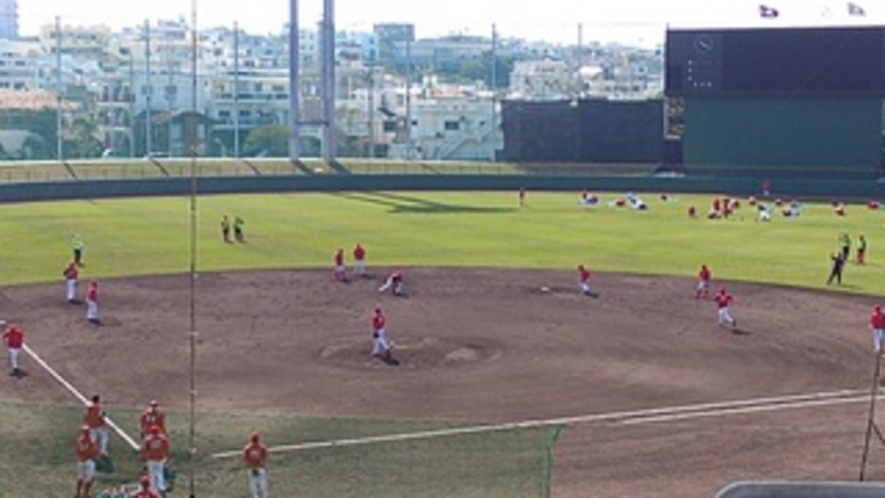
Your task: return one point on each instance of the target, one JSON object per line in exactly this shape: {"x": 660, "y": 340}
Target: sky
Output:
{"x": 634, "y": 21}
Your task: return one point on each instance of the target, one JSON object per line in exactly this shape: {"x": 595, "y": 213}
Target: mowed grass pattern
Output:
{"x": 148, "y": 236}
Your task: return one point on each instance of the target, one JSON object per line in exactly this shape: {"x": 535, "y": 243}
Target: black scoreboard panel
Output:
{"x": 770, "y": 62}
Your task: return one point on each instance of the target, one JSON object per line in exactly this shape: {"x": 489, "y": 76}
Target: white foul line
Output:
{"x": 633, "y": 416}
{"x": 77, "y": 394}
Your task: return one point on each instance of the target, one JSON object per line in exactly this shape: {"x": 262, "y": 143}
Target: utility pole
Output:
{"x": 169, "y": 54}
{"x": 131, "y": 98}
{"x": 371, "y": 110}
{"x": 236, "y": 90}
{"x": 149, "y": 90}
{"x": 494, "y": 87}
{"x": 328, "y": 71}
{"x": 408, "y": 100}
{"x": 294, "y": 85}
{"x": 59, "y": 90}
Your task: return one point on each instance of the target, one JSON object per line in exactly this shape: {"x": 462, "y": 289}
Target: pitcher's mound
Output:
{"x": 424, "y": 353}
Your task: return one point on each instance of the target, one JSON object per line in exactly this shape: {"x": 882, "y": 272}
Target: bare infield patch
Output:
{"x": 415, "y": 354}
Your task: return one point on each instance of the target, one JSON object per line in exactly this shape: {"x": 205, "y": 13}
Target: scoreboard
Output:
{"x": 776, "y": 62}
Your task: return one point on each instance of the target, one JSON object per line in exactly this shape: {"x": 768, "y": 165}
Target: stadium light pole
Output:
{"x": 59, "y": 138}
{"x": 149, "y": 90}
{"x": 294, "y": 85}
{"x": 236, "y": 90}
{"x": 328, "y": 71}
{"x": 494, "y": 87}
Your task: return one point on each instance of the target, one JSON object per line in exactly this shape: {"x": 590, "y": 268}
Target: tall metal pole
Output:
{"x": 408, "y": 99}
{"x": 294, "y": 85}
{"x": 149, "y": 90}
{"x": 59, "y": 134}
{"x": 494, "y": 86}
{"x": 371, "y": 111}
{"x": 236, "y": 90}
{"x": 328, "y": 71}
{"x": 193, "y": 142}
{"x": 131, "y": 97}
{"x": 871, "y": 420}
{"x": 170, "y": 96}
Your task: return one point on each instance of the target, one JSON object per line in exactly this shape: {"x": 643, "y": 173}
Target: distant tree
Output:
{"x": 82, "y": 140}
{"x": 270, "y": 140}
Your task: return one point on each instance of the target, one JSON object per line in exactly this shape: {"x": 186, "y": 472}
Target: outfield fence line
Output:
{"x": 650, "y": 415}
{"x": 77, "y": 394}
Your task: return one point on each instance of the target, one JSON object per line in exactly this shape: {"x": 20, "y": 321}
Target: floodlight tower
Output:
{"x": 327, "y": 43}
{"x": 294, "y": 85}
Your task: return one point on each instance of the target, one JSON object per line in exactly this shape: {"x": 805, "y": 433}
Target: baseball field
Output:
{"x": 633, "y": 391}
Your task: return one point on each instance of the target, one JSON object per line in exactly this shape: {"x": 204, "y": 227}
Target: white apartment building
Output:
{"x": 9, "y": 19}
{"x": 21, "y": 65}
{"x": 78, "y": 41}
{"x": 542, "y": 80}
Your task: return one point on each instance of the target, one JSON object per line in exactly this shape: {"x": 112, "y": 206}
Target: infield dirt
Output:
{"x": 486, "y": 345}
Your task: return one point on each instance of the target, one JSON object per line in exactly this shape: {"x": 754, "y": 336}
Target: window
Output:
{"x": 223, "y": 114}
{"x": 389, "y": 126}
{"x": 452, "y": 126}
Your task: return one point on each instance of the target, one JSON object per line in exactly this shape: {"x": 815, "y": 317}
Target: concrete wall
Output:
{"x": 807, "y": 188}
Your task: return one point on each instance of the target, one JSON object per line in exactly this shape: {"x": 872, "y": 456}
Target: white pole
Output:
{"x": 149, "y": 90}
{"x": 294, "y": 85}
{"x": 236, "y": 90}
{"x": 59, "y": 135}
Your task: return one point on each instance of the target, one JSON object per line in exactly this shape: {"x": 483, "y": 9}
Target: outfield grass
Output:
{"x": 147, "y": 236}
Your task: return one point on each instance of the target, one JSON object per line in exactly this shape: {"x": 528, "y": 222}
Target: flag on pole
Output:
{"x": 856, "y": 10}
{"x": 768, "y": 12}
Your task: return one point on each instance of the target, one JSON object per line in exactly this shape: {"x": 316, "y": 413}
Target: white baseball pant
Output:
{"x": 13, "y": 358}
{"x": 86, "y": 471}
{"x": 91, "y": 310}
{"x": 71, "y": 289}
{"x": 258, "y": 484}
{"x": 155, "y": 473}
{"x": 359, "y": 267}
{"x": 725, "y": 317}
{"x": 379, "y": 342}
{"x": 877, "y": 339}
{"x": 100, "y": 436}
{"x": 584, "y": 286}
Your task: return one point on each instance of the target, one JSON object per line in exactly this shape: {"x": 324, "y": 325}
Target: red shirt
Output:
{"x": 93, "y": 418}
{"x": 877, "y": 320}
{"x": 71, "y": 272}
{"x": 255, "y": 455}
{"x": 152, "y": 417}
{"x": 584, "y": 273}
{"x": 704, "y": 274}
{"x": 156, "y": 447}
{"x": 359, "y": 253}
{"x": 723, "y": 300}
{"x": 85, "y": 448}
{"x": 339, "y": 258}
{"x": 14, "y": 338}
{"x": 92, "y": 293}
{"x": 395, "y": 277}
{"x": 146, "y": 493}
{"x": 378, "y": 321}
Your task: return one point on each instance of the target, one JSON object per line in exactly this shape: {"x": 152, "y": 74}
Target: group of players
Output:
{"x": 91, "y": 447}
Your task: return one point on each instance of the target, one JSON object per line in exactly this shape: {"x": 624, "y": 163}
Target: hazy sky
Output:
{"x": 628, "y": 20}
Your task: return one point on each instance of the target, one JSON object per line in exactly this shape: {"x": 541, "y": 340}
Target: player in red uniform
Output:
{"x": 152, "y": 417}
{"x": 92, "y": 303}
{"x": 703, "y": 288}
{"x": 583, "y": 280}
{"x": 154, "y": 451}
{"x": 255, "y": 459}
{"x": 877, "y": 327}
{"x": 98, "y": 429}
{"x": 146, "y": 491}
{"x": 393, "y": 282}
{"x": 359, "y": 260}
{"x": 340, "y": 273}
{"x": 71, "y": 274}
{"x": 380, "y": 345}
{"x": 522, "y": 197}
{"x": 14, "y": 339}
{"x": 87, "y": 452}
{"x": 723, "y": 301}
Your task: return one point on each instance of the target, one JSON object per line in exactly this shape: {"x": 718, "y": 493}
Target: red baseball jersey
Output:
{"x": 14, "y": 338}
{"x": 255, "y": 455}
{"x": 359, "y": 253}
{"x": 92, "y": 293}
{"x": 93, "y": 418}
{"x": 877, "y": 320}
{"x": 378, "y": 321}
{"x": 71, "y": 272}
{"x": 704, "y": 274}
{"x": 85, "y": 448}
{"x": 723, "y": 300}
{"x": 339, "y": 258}
{"x": 152, "y": 417}
{"x": 584, "y": 274}
{"x": 156, "y": 447}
